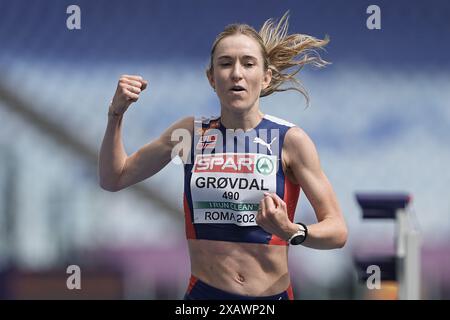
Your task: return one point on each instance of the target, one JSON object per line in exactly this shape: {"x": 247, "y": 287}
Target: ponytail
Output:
{"x": 285, "y": 51}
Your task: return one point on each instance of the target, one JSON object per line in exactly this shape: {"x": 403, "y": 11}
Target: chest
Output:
{"x": 227, "y": 187}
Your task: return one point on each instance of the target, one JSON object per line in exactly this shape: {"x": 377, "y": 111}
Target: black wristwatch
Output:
{"x": 300, "y": 236}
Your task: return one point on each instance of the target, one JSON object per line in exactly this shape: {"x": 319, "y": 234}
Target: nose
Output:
{"x": 236, "y": 73}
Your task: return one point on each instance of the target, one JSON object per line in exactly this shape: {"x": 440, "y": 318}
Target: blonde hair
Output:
{"x": 281, "y": 51}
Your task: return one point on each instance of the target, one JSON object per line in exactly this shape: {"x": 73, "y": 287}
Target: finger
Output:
{"x": 283, "y": 205}
{"x": 144, "y": 84}
{"x": 262, "y": 220}
{"x": 262, "y": 207}
{"x": 260, "y": 217}
{"x": 269, "y": 203}
{"x": 131, "y": 96}
{"x": 278, "y": 201}
{"x": 133, "y": 83}
{"x": 134, "y": 89}
{"x": 274, "y": 198}
{"x": 138, "y": 78}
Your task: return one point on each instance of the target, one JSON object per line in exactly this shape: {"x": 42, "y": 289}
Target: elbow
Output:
{"x": 109, "y": 181}
{"x": 342, "y": 237}
{"x": 109, "y": 186}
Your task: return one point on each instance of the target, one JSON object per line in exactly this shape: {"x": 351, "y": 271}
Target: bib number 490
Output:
{"x": 231, "y": 195}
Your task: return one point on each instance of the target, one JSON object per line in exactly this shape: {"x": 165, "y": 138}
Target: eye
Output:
{"x": 249, "y": 64}
{"x": 225, "y": 64}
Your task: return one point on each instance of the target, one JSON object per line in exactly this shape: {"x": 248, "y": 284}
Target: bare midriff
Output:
{"x": 249, "y": 269}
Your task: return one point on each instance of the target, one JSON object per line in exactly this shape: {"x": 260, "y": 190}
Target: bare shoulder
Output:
{"x": 294, "y": 134}
{"x": 186, "y": 123}
{"x": 181, "y": 127}
{"x": 299, "y": 149}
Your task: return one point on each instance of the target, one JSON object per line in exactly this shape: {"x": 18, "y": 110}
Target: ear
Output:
{"x": 267, "y": 78}
{"x": 210, "y": 79}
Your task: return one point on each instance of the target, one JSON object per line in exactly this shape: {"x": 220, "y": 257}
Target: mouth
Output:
{"x": 237, "y": 89}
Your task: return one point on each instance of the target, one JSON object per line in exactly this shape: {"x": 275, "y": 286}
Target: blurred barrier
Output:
{"x": 404, "y": 267}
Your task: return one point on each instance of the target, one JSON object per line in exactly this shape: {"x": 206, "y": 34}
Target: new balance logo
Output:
{"x": 261, "y": 141}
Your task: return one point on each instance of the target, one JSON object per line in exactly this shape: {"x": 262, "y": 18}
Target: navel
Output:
{"x": 240, "y": 278}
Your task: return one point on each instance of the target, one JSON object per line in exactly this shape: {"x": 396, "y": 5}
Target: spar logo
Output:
{"x": 230, "y": 163}
{"x": 264, "y": 165}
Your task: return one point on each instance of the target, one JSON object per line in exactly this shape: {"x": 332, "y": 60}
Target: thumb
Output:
{"x": 273, "y": 197}
{"x": 144, "y": 84}
{"x": 278, "y": 201}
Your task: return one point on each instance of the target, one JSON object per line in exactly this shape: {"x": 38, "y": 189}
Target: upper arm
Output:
{"x": 302, "y": 160}
{"x": 155, "y": 155}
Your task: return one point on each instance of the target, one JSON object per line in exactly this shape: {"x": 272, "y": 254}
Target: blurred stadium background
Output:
{"x": 379, "y": 115}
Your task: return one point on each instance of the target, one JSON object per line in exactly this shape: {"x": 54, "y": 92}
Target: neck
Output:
{"x": 246, "y": 120}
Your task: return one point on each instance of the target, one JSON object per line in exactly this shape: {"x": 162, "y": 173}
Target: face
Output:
{"x": 238, "y": 72}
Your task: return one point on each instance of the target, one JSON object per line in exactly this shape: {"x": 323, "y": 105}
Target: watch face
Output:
{"x": 298, "y": 239}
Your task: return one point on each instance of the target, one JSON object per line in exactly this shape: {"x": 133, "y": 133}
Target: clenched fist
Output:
{"x": 127, "y": 92}
{"x": 273, "y": 218}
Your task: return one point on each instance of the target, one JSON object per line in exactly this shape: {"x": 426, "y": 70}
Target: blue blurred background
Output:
{"x": 379, "y": 115}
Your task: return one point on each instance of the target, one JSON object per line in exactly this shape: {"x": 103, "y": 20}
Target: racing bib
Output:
{"x": 227, "y": 187}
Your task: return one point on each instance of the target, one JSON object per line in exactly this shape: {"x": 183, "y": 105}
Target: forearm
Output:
{"x": 329, "y": 233}
{"x": 112, "y": 156}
